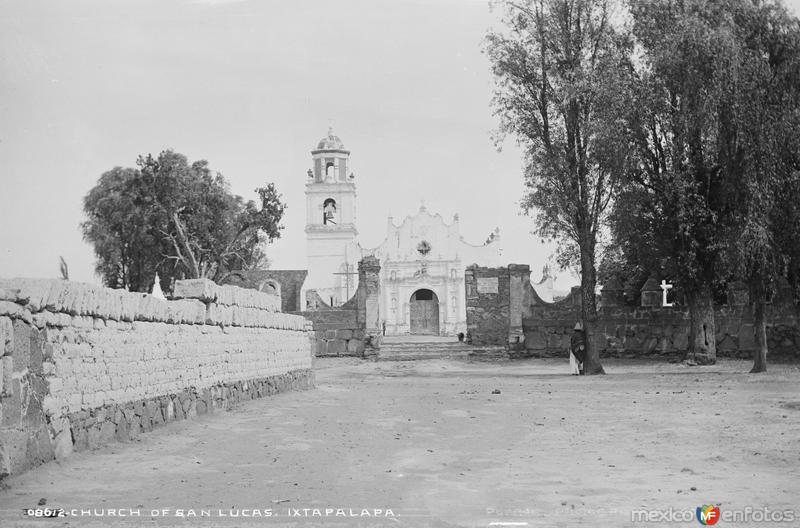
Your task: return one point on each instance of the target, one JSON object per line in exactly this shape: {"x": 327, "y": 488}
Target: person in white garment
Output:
{"x": 577, "y": 350}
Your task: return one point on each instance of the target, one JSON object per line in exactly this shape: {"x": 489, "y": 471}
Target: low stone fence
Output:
{"x": 352, "y": 329}
{"x": 503, "y": 308}
{"x": 657, "y": 331}
{"x": 337, "y": 332}
{"x": 84, "y": 365}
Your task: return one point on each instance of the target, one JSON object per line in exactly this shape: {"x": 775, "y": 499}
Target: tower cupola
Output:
{"x": 331, "y": 160}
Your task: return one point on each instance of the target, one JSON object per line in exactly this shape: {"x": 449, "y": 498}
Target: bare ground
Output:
{"x": 430, "y": 441}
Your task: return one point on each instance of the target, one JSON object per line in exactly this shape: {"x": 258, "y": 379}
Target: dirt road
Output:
{"x": 447, "y": 443}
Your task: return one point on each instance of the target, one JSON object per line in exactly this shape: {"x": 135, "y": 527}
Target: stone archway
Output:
{"x": 424, "y": 312}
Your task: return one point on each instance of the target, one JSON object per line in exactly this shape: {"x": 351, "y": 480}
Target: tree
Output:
{"x": 176, "y": 218}
{"x": 697, "y": 205}
{"x": 763, "y": 154}
{"x": 120, "y": 226}
{"x": 675, "y": 200}
{"x": 558, "y": 70}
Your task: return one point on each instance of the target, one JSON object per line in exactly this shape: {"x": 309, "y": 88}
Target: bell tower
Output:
{"x": 331, "y": 222}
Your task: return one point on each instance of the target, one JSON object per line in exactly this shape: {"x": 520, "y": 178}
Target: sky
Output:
{"x": 251, "y": 86}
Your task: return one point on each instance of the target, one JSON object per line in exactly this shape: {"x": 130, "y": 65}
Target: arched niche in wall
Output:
{"x": 270, "y": 286}
{"x": 329, "y": 211}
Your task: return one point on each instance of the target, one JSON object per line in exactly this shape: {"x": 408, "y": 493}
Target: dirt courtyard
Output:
{"x": 452, "y": 443}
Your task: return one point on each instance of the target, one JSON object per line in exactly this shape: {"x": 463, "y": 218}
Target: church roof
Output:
{"x": 330, "y": 142}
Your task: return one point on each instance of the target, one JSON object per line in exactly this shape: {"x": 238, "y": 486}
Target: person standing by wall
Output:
{"x": 577, "y": 350}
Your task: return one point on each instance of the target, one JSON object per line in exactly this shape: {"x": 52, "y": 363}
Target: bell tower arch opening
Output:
{"x": 424, "y": 312}
{"x": 329, "y": 211}
{"x": 330, "y": 220}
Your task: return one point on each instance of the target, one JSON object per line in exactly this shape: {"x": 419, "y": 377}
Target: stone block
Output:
{"x": 46, "y": 319}
{"x": 13, "y": 449}
{"x": 154, "y": 412}
{"x": 62, "y": 296}
{"x": 217, "y": 314}
{"x": 203, "y": 290}
{"x": 247, "y": 298}
{"x": 80, "y": 437}
{"x": 155, "y": 309}
{"x": 192, "y": 311}
{"x": 649, "y": 345}
{"x": 535, "y": 341}
{"x": 62, "y": 441}
{"x": 680, "y": 341}
{"x": 12, "y": 403}
{"x": 191, "y": 411}
{"x": 109, "y": 305}
{"x": 37, "y": 344}
{"x": 108, "y": 432}
{"x": 39, "y": 448}
{"x": 34, "y": 414}
{"x": 134, "y": 427}
{"x": 14, "y": 311}
{"x": 93, "y": 436}
{"x": 6, "y": 336}
{"x": 11, "y": 295}
{"x": 344, "y": 334}
{"x": 179, "y": 414}
{"x": 726, "y": 342}
{"x": 337, "y": 347}
{"x": 747, "y": 338}
{"x": 34, "y": 291}
{"x": 355, "y": 347}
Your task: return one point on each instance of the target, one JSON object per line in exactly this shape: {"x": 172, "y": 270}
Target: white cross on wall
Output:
{"x": 664, "y": 289}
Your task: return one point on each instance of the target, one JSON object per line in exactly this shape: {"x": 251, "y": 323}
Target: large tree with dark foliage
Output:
{"x": 762, "y": 153}
{"x": 177, "y": 219}
{"x": 559, "y": 67}
{"x": 708, "y": 118}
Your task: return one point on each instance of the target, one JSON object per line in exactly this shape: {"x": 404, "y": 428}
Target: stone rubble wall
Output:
{"x": 337, "y": 332}
{"x": 498, "y": 317}
{"x": 488, "y": 311}
{"x": 352, "y": 329}
{"x": 84, "y": 365}
{"x": 640, "y": 331}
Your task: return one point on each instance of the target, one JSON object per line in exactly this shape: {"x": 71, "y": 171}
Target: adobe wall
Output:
{"x": 84, "y": 365}
{"x": 290, "y": 281}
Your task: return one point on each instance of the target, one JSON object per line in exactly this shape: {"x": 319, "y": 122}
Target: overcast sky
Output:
{"x": 251, "y": 86}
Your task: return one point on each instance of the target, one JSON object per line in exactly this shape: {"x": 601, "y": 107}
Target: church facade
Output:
{"x": 423, "y": 258}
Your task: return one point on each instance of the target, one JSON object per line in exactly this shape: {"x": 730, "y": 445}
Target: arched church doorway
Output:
{"x": 424, "y": 312}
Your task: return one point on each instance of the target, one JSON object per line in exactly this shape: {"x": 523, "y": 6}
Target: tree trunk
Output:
{"x": 702, "y": 332}
{"x": 591, "y": 365}
{"x": 760, "y": 329}
{"x": 192, "y": 264}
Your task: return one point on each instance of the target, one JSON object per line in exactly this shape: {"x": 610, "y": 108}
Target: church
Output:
{"x": 423, "y": 256}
